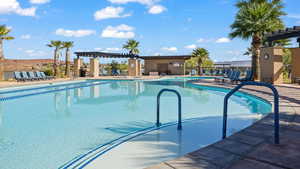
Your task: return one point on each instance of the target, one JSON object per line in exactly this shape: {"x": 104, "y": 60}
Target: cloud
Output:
{"x": 27, "y": 36}
{"x": 74, "y": 33}
{"x": 97, "y": 49}
{"x": 13, "y": 6}
{"x": 294, "y": 16}
{"x": 201, "y": 40}
{"x": 234, "y": 52}
{"x": 120, "y": 31}
{"x": 223, "y": 40}
{"x": 110, "y": 12}
{"x": 170, "y": 49}
{"x": 113, "y": 49}
{"x": 35, "y": 53}
{"x": 144, "y": 2}
{"x": 193, "y": 46}
{"x": 39, "y": 1}
{"x": 156, "y": 9}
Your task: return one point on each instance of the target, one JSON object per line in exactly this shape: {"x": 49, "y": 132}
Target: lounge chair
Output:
{"x": 25, "y": 76}
{"x": 18, "y": 77}
{"x": 46, "y": 77}
{"x": 235, "y": 77}
{"x": 248, "y": 77}
{"x": 39, "y": 75}
{"x": 227, "y": 75}
{"x": 32, "y": 76}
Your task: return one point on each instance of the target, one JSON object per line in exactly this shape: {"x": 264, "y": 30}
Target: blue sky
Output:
{"x": 165, "y": 27}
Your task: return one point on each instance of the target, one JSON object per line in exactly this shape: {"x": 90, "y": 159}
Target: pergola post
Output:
{"x": 295, "y": 63}
{"x": 77, "y": 65}
{"x": 94, "y": 67}
{"x": 133, "y": 67}
{"x": 271, "y": 65}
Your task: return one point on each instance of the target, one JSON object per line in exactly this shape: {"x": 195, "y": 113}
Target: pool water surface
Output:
{"x": 48, "y": 127}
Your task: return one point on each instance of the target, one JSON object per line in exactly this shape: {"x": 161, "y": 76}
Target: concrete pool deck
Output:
{"x": 252, "y": 147}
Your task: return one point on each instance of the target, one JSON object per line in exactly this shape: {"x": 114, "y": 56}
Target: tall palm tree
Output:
{"x": 68, "y": 46}
{"x": 57, "y": 45}
{"x": 4, "y": 31}
{"x": 255, "y": 18}
{"x": 132, "y": 46}
{"x": 200, "y": 54}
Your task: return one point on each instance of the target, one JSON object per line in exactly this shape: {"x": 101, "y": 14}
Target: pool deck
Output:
{"x": 252, "y": 147}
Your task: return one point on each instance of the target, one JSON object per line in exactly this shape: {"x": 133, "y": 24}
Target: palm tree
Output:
{"x": 132, "y": 46}
{"x": 253, "y": 20}
{"x": 200, "y": 54}
{"x": 58, "y": 45}
{"x": 4, "y": 31}
{"x": 68, "y": 46}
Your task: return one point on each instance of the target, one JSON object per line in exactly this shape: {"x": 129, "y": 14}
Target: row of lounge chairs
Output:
{"x": 31, "y": 76}
{"x": 234, "y": 76}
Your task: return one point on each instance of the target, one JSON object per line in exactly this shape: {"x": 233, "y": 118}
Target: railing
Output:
{"x": 276, "y": 106}
{"x": 179, "y": 127}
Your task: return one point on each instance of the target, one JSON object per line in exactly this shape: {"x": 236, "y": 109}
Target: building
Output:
{"x": 165, "y": 65}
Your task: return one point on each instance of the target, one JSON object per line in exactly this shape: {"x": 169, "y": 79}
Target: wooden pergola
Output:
{"x": 293, "y": 32}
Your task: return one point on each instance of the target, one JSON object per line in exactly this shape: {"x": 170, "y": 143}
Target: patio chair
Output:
{"x": 248, "y": 77}
{"x": 32, "y": 76}
{"x": 38, "y": 74}
{"x": 19, "y": 77}
{"x": 25, "y": 76}
{"x": 46, "y": 77}
{"x": 235, "y": 77}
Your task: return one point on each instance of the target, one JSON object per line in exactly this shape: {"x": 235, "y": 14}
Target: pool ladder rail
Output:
{"x": 276, "y": 106}
{"x": 158, "y": 124}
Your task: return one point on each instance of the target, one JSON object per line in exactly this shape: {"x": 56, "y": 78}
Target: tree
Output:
{"x": 57, "y": 45}
{"x": 200, "y": 55}
{"x": 68, "y": 46}
{"x": 132, "y": 46}
{"x": 4, "y": 31}
{"x": 255, "y": 18}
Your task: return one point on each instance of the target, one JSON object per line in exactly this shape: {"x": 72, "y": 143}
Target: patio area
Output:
{"x": 252, "y": 147}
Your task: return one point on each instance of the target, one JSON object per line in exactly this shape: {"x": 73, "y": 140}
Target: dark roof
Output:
{"x": 283, "y": 34}
{"x": 105, "y": 55}
{"x": 166, "y": 57}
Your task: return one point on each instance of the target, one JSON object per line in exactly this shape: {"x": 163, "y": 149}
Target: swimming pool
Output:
{"x": 47, "y": 126}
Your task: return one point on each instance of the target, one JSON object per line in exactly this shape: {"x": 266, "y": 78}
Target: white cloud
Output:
{"x": 97, "y": 49}
{"x": 110, "y": 12}
{"x": 120, "y": 31}
{"x": 13, "y": 6}
{"x": 39, "y": 1}
{"x": 113, "y": 49}
{"x": 193, "y": 46}
{"x": 35, "y": 53}
{"x": 144, "y": 2}
{"x": 27, "y": 36}
{"x": 170, "y": 49}
{"x": 234, "y": 52}
{"x": 189, "y": 19}
{"x": 294, "y": 16}
{"x": 74, "y": 33}
{"x": 156, "y": 9}
{"x": 223, "y": 40}
{"x": 201, "y": 40}
{"x": 157, "y": 54}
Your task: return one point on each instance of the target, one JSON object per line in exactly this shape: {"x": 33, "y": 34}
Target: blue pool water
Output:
{"x": 49, "y": 126}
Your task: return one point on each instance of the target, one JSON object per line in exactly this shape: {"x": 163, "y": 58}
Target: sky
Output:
{"x": 163, "y": 27}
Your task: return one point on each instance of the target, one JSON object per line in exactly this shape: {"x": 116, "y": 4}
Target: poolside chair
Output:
{"x": 227, "y": 75}
{"x": 18, "y": 76}
{"x": 46, "y": 77}
{"x": 32, "y": 76}
{"x": 248, "y": 77}
{"x": 235, "y": 77}
{"x": 25, "y": 76}
{"x": 38, "y": 74}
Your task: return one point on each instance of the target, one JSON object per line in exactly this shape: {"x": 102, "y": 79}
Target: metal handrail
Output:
{"x": 179, "y": 127}
{"x": 276, "y": 106}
